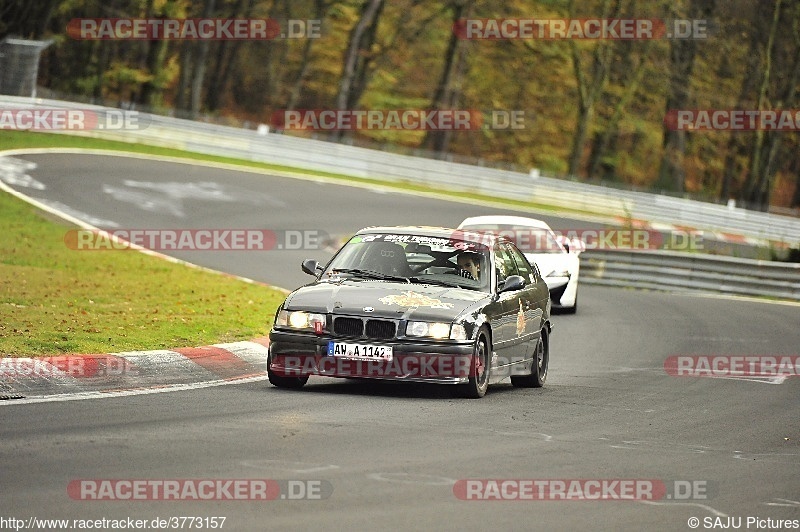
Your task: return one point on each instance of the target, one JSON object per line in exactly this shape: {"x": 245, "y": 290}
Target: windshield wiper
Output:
{"x": 369, "y": 274}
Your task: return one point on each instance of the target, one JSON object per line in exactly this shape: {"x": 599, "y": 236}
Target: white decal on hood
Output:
{"x": 413, "y": 299}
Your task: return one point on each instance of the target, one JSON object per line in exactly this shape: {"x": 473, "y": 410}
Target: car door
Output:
{"x": 533, "y": 300}
{"x": 511, "y": 322}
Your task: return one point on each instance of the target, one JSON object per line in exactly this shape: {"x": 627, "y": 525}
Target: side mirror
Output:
{"x": 513, "y": 282}
{"x": 572, "y": 245}
{"x": 311, "y": 267}
{"x": 563, "y": 240}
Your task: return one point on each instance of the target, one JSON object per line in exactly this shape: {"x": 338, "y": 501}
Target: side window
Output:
{"x": 504, "y": 264}
{"x": 524, "y": 267}
{"x": 537, "y": 273}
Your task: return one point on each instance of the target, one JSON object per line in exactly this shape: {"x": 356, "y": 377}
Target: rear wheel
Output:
{"x": 479, "y": 369}
{"x": 541, "y": 361}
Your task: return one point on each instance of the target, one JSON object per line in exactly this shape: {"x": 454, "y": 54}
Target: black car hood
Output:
{"x": 386, "y": 299}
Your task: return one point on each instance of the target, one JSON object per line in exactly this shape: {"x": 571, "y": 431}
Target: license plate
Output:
{"x": 360, "y": 351}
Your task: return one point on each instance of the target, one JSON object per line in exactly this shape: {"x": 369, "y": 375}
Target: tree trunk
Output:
{"x": 796, "y": 196}
{"x": 788, "y": 101}
{"x": 358, "y": 45}
{"x": 271, "y": 67}
{"x": 737, "y": 148}
{"x": 226, "y": 51}
{"x": 102, "y": 66}
{"x": 199, "y": 71}
{"x": 151, "y": 90}
{"x": 589, "y": 87}
{"x": 25, "y": 19}
{"x": 630, "y": 80}
{"x": 186, "y": 62}
{"x": 671, "y": 174}
{"x": 448, "y": 89}
{"x": 758, "y": 174}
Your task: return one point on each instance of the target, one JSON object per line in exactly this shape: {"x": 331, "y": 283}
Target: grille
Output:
{"x": 348, "y": 326}
{"x": 381, "y": 329}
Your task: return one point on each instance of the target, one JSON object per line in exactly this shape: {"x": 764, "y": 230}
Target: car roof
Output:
{"x": 506, "y": 220}
{"x": 440, "y": 232}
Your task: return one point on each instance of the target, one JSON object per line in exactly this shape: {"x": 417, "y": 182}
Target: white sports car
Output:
{"x": 554, "y": 255}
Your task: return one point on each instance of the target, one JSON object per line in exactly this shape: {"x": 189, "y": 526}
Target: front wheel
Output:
{"x": 479, "y": 369}
{"x": 282, "y": 381}
{"x": 541, "y": 361}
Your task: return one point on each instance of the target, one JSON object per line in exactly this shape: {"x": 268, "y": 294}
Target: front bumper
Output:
{"x": 294, "y": 354}
{"x": 562, "y": 290}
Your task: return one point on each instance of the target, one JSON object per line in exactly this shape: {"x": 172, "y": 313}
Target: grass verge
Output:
{"x": 54, "y": 300}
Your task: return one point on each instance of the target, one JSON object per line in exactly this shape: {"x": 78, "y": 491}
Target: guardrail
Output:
{"x": 678, "y": 271}
{"x": 354, "y": 161}
{"x": 658, "y": 270}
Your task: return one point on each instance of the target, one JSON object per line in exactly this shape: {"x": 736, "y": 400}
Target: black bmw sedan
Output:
{"x": 416, "y": 304}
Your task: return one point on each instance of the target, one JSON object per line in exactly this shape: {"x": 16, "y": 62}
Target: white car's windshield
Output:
{"x": 414, "y": 259}
{"x": 527, "y": 238}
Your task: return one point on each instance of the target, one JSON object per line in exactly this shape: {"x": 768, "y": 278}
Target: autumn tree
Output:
{"x": 671, "y": 174}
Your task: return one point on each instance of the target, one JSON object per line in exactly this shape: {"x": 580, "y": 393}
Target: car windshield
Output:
{"x": 413, "y": 259}
{"x": 527, "y": 238}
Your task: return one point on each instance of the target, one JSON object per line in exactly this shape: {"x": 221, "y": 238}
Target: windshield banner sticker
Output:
{"x": 419, "y": 239}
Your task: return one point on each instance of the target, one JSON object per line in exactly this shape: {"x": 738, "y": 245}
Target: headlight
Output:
{"x": 431, "y": 330}
{"x": 558, "y": 273}
{"x": 298, "y": 319}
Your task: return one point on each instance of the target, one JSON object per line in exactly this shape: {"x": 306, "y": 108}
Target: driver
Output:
{"x": 469, "y": 263}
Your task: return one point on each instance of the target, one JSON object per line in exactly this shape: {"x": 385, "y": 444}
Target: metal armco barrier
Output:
{"x": 677, "y": 271}
{"x": 660, "y": 270}
{"x": 353, "y": 161}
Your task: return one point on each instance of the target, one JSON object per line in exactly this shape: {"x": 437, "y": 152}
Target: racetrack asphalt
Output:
{"x": 394, "y": 453}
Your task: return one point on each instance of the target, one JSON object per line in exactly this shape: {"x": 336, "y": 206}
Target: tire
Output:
{"x": 279, "y": 381}
{"x": 539, "y": 367}
{"x": 479, "y": 369}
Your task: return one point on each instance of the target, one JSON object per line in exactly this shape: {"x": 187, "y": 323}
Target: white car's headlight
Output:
{"x": 298, "y": 319}
{"x": 558, "y": 273}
